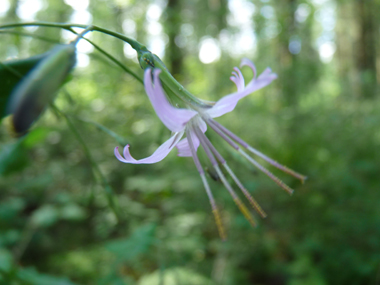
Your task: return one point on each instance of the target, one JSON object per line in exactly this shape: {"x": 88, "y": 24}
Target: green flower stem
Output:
{"x": 113, "y": 59}
{"x": 134, "y": 44}
{"x": 145, "y": 57}
{"x": 81, "y": 35}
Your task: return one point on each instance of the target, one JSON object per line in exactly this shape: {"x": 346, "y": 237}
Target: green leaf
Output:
{"x": 11, "y": 72}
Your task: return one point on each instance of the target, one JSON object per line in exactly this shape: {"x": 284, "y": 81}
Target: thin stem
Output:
{"x": 113, "y": 59}
{"x": 95, "y": 168}
{"x": 166, "y": 77}
{"x": 134, "y": 44}
{"x": 81, "y": 35}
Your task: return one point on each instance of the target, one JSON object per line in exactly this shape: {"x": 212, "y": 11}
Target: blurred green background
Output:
{"x": 71, "y": 213}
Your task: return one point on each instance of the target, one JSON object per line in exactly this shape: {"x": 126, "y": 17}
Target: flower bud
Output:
{"x": 38, "y": 88}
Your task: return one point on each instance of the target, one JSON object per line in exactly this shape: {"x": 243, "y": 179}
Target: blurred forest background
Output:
{"x": 321, "y": 117}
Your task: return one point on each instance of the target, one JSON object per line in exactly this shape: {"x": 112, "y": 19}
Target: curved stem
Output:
{"x": 134, "y": 44}
{"x": 142, "y": 54}
{"x": 112, "y": 58}
{"x": 81, "y": 35}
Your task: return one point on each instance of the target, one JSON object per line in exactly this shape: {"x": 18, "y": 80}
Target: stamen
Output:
{"x": 194, "y": 153}
{"x": 229, "y": 133}
{"x": 215, "y": 211}
{"x": 207, "y": 145}
{"x": 243, "y": 209}
{"x": 277, "y": 165}
{"x": 220, "y": 129}
{"x": 214, "y": 208}
{"x": 267, "y": 172}
{"x": 253, "y": 202}
{"x": 214, "y": 126}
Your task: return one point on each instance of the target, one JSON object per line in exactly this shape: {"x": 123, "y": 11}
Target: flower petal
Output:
{"x": 228, "y": 103}
{"x": 250, "y": 64}
{"x": 173, "y": 118}
{"x": 183, "y": 146}
{"x": 157, "y": 156}
{"x": 238, "y": 79}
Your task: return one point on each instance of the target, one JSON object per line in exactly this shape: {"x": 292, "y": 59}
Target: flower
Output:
{"x": 194, "y": 122}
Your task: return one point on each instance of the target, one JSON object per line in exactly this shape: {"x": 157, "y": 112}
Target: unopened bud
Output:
{"x": 38, "y": 88}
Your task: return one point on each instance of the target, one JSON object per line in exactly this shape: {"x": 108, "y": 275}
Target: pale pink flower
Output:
{"x": 194, "y": 122}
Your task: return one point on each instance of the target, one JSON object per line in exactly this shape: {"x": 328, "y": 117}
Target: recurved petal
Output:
{"x": 238, "y": 79}
{"x": 157, "y": 156}
{"x": 228, "y": 103}
{"x": 246, "y": 62}
{"x": 173, "y": 118}
{"x": 263, "y": 80}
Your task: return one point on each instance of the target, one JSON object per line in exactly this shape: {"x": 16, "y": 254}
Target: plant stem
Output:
{"x": 112, "y": 58}
{"x": 96, "y": 170}
{"x": 134, "y": 44}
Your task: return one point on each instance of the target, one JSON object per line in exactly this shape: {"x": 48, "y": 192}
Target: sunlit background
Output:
{"x": 321, "y": 117}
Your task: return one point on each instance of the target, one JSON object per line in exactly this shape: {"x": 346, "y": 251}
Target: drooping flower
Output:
{"x": 194, "y": 121}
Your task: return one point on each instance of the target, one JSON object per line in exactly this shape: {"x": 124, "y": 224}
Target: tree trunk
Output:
{"x": 366, "y": 48}
{"x": 172, "y": 28}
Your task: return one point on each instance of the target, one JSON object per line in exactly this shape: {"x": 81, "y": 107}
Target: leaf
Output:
{"x": 11, "y": 72}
